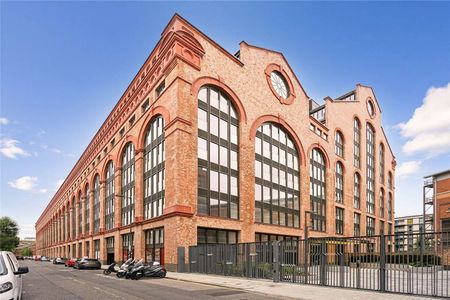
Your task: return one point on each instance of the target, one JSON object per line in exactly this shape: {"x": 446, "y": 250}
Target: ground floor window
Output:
{"x": 86, "y": 249}
{"x": 216, "y": 236}
{"x": 127, "y": 246}
{"x": 79, "y": 249}
{"x": 154, "y": 245}
{"x": 97, "y": 249}
{"x": 265, "y": 237}
{"x": 110, "y": 250}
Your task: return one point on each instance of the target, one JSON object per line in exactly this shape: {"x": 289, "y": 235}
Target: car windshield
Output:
{"x": 3, "y": 269}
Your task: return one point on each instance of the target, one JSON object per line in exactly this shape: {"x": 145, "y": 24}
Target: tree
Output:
{"x": 27, "y": 252}
{"x": 8, "y": 234}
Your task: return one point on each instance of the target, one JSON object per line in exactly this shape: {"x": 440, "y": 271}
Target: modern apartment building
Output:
{"x": 209, "y": 147}
{"x": 407, "y": 231}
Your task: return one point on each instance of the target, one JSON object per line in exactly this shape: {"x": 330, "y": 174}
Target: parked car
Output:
{"x": 87, "y": 263}
{"x": 59, "y": 261}
{"x": 70, "y": 262}
{"x": 45, "y": 258}
{"x": 10, "y": 276}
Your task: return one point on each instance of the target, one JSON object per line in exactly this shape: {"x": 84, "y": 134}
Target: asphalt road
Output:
{"x": 48, "y": 281}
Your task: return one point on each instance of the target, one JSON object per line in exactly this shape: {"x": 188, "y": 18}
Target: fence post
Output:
{"x": 323, "y": 262}
{"x": 276, "y": 261}
{"x": 382, "y": 263}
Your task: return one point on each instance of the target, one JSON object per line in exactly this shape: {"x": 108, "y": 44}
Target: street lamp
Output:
{"x": 131, "y": 225}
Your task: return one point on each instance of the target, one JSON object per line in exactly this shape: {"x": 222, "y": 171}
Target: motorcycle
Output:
{"x": 112, "y": 268}
{"x": 125, "y": 267}
{"x": 155, "y": 269}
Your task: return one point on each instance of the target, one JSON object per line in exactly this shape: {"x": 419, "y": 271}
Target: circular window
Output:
{"x": 279, "y": 84}
{"x": 370, "y": 108}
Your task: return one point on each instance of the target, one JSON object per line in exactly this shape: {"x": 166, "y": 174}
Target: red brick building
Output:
{"x": 209, "y": 147}
{"x": 438, "y": 198}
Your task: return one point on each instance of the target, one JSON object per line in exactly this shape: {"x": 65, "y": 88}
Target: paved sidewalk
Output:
{"x": 287, "y": 290}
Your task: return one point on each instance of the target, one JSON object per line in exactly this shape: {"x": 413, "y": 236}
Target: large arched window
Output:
{"x": 154, "y": 169}
{"x": 96, "y": 203}
{"x": 381, "y": 203}
{"x": 317, "y": 190}
{"x": 357, "y": 191}
{"x": 370, "y": 169}
{"x": 381, "y": 158}
{"x": 74, "y": 217}
{"x": 339, "y": 144}
{"x": 128, "y": 185}
{"x": 218, "y": 152}
{"x": 356, "y": 143}
{"x": 88, "y": 210}
{"x": 389, "y": 180}
{"x": 390, "y": 212}
{"x": 276, "y": 177}
{"x": 109, "y": 196}
{"x": 339, "y": 183}
{"x": 80, "y": 214}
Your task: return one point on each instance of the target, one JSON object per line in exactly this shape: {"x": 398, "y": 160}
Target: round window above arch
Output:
{"x": 280, "y": 84}
{"x": 370, "y": 108}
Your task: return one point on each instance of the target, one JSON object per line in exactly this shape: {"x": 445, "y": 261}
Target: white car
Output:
{"x": 10, "y": 276}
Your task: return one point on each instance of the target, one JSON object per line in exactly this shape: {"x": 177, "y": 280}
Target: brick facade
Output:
{"x": 184, "y": 61}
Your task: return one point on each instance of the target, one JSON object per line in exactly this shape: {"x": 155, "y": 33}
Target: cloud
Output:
{"x": 4, "y": 121}
{"x": 47, "y": 148}
{"x": 428, "y": 130}
{"x": 408, "y": 168}
{"x": 9, "y": 148}
{"x": 25, "y": 183}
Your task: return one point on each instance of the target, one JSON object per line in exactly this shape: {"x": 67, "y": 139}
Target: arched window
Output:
{"x": 356, "y": 143}
{"x": 370, "y": 169}
{"x": 357, "y": 191}
{"x": 218, "y": 152}
{"x": 339, "y": 183}
{"x": 128, "y": 185}
{"x": 390, "y": 180}
{"x": 96, "y": 203}
{"x": 88, "y": 210}
{"x": 381, "y": 203}
{"x": 317, "y": 190}
{"x": 381, "y": 158}
{"x": 390, "y": 213}
{"x": 276, "y": 177}
{"x": 154, "y": 169}
{"x": 74, "y": 217}
{"x": 109, "y": 196}
{"x": 339, "y": 144}
{"x": 80, "y": 214}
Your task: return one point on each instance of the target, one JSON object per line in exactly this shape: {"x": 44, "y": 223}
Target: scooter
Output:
{"x": 155, "y": 269}
{"x": 113, "y": 268}
{"x": 125, "y": 267}
{"x": 136, "y": 266}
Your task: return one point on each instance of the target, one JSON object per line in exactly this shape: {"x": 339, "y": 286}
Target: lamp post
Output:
{"x": 131, "y": 225}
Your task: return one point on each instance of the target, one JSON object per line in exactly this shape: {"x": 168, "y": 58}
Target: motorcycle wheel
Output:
{"x": 138, "y": 276}
{"x": 106, "y": 272}
{"x": 127, "y": 276}
{"x": 120, "y": 274}
{"x": 162, "y": 275}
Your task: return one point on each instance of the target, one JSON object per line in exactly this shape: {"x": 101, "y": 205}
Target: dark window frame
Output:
{"x": 109, "y": 196}
{"x": 318, "y": 182}
{"x": 268, "y": 210}
{"x": 128, "y": 185}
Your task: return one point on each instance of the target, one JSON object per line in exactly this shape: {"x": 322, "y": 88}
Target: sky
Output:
{"x": 64, "y": 65}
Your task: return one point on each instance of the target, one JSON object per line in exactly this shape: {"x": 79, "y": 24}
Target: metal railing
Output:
{"x": 371, "y": 262}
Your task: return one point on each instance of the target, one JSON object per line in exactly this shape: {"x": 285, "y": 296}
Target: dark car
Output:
{"x": 59, "y": 261}
{"x": 87, "y": 263}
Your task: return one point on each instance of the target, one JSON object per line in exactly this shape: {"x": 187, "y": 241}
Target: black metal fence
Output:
{"x": 418, "y": 266}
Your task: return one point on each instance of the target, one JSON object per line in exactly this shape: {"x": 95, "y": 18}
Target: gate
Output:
{"x": 417, "y": 264}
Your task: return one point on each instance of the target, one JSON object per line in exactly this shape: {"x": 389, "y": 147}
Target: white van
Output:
{"x": 10, "y": 276}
